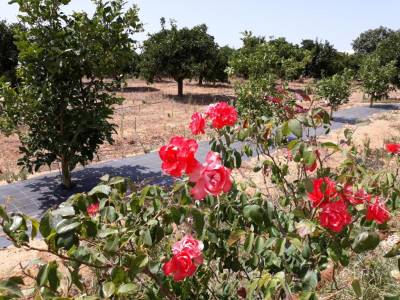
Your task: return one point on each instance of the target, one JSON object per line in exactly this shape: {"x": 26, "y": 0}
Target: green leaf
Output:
{"x": 199, "y": 222}
{"x": 127, "y": 288}
{"x": 67, "y": 225}
{"x": 10, "y": 287}
{"x": 64, "y": 211}
{"x": 146, "y": 238}
{"x": 254, "y": 212}
{"x": 16, "y": 222}
{"x": 100, "y": 189}
{"x": 107, "y": 232}
{"x": 3, "y": 213}
{"x": 109, "y": 214}
{"x": 248, "y": 244}
{"x": 330, "y": 145}
{"x": 365, "y": 241}
{"x": 357, "y": 288}
{"x": 310, "y": 280}
{"x": 296, "y": 128}
{"x": 108, "y": 289}
{"x": 35, "y": 228}
{"x": 45, "y": 225}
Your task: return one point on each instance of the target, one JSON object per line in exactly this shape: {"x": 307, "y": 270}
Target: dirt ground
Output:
{"x": 147, "y": 119}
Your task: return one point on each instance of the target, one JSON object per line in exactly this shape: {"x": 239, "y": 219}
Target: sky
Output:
{"x": 338, "y": 21}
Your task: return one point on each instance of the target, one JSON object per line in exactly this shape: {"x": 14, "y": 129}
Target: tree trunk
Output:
{"x": 180, "y": 87}
{"x": 331, "y": 114}
{"x": 66, "y": 174}
{"x": 201, "y": 80}
{"x": 371, "y": 102}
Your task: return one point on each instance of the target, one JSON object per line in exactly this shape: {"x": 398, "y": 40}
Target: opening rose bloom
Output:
{"x": 222, "y": 114}
{"x": 187, "y": 256}
{"x": 93, "y": 209}
{"x": 323, "y": 190}
{"x": 198, "y": 124}
{"x": 378, "y": 212}
{"x": 393, "y": 148}
{"x": 211, "y": 178}
{"x": 334, "y": 216}
{"x": 193, "y": 246}
{"x": 178, "y": 156}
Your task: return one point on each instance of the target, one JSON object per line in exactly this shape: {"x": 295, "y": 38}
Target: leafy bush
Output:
{"x": 377, "y": 77}
{"x": 335, "y": 89}
{"x": 209, "y": 237}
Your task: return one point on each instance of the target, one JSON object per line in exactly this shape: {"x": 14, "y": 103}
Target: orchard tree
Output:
{"x": 218, "y": 70}
{"x": 277, "y": 57}
{"x": 323, "y": 59}
{"x": 336, "y": 89}
{"x": 368, "y": 41}
{"x": 376, "y": 77}
{"x": 389, "y": 50}
{"x": 69, "y": 66}
{"x": 8, "y": 52}
{"x": 178, "y": 53}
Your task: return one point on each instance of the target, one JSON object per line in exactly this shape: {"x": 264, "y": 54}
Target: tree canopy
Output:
{"x": 8, "y": 52}
{"x": 368, "y": 41}
{"x": 179, "y": 53}
{"x": 62, "y": 98}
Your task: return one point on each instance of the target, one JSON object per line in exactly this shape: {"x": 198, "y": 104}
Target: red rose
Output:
{"x": 378, "y": 212}
{"x": 222, "y": 114}
{"x": 354, "y": 198}
{"x": 211, "y": 178}
{"x": 393, "y": 148}
{"x": 334, "y": 216}
{"x": 242, "y": 293}
{"x": 198, "y": 124}
{"x": 179, "y": 156}
{"x": 192, "y": 246}
{"x": 323, "y": 190}
{"x": 180, "y": 266}
{"x": 93, "y": 209}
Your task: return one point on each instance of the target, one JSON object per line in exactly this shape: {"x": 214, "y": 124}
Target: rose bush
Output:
{"x": 209, "y": 237}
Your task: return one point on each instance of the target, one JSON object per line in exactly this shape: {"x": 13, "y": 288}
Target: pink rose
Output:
{"x": 198, "y": 124}
{"x": 211, "y": 177}
{"x": 222, "y": 114}
{"x": 192, "y": 246}
{"x": 179, "y": 156}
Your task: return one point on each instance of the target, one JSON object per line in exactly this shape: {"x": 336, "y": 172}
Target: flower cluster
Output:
{"x": 393, "y": 148}
{"x": 187, "y": 256}
{"x": 333, "y": 205}
{"x": 221, "y": 114}
{"x": 93, "y": 209}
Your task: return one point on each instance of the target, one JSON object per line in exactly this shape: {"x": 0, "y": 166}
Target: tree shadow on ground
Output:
{"x": 137, "y": 89}
{"x": 200, "y": 99}
{"x": 210, "y": 85}
{"x": 50, "y": 193}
